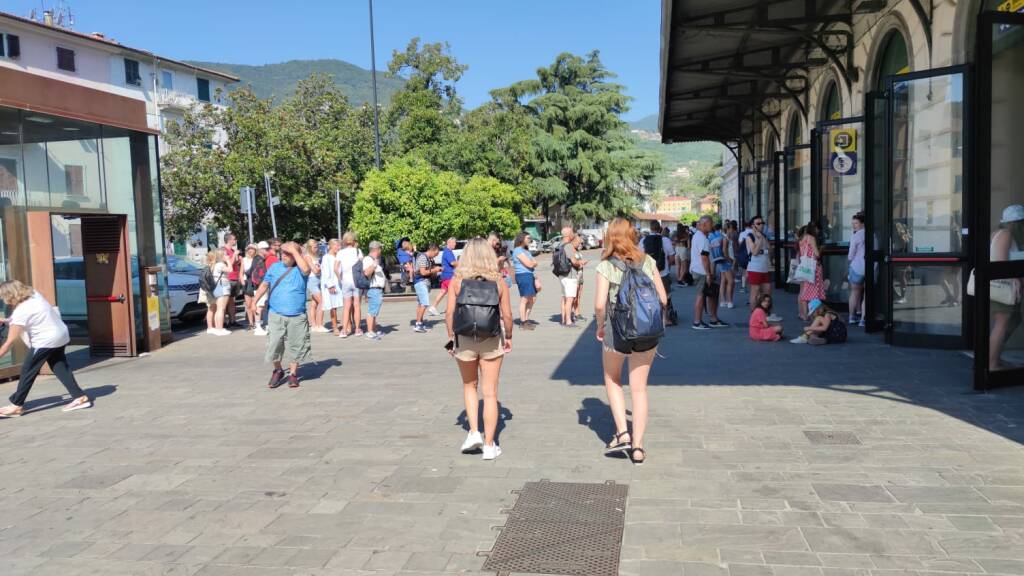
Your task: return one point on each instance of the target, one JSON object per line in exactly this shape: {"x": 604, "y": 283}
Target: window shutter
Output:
{"x": 203, "y": 89}
{"x": 13, "y": 46}
{"x": 131, "y": 72}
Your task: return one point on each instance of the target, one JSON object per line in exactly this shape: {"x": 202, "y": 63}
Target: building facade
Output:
{"x": 902, "y": 111}
{"x": 675, "y": 205}
{"x": 730, "y": 185}
{"x": 80, "y": 205}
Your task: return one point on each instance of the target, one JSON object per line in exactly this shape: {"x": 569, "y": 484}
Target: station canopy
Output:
{"x": 727, "y": 65}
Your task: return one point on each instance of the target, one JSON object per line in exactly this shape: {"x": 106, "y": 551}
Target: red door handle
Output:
{"x": 119, "y": 298}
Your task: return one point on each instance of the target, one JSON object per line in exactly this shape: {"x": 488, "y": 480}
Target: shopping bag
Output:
{"x": 806, "y": 269}
{"x": 791, "y": 278}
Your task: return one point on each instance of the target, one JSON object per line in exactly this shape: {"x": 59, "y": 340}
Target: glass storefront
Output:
{"x": 76, "y": 170}
{"x": 750, "y": 190}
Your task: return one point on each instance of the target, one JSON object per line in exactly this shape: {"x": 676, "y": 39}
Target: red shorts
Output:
{"x": 445, "y": 283}
{"x": 758, "y": 277}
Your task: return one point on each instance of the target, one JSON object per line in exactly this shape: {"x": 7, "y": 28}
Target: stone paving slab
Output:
{"x": 189, "y": 465}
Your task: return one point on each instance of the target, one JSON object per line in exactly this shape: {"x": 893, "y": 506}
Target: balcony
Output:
{"x": 175, "y": 100}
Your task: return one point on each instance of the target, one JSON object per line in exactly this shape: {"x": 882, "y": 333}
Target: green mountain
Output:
{"x": 647, "y": 123}
{"x": 279, "y": 80}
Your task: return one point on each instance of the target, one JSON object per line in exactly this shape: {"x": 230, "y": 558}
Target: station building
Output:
{"x": 907, "y": 111}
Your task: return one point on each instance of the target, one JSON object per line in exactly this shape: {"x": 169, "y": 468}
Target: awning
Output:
{"x": 726, "y": 65}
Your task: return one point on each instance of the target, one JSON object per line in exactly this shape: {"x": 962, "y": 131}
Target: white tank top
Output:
{"x": 1016, "y": 253}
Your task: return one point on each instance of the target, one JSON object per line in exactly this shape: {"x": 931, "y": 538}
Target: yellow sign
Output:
{"x": 844, "y": 139}
{"x": 1011, "y": 6}
{"x": 153, "y": 311}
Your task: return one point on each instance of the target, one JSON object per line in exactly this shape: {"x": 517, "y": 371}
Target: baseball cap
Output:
{"x": 1012, "y": 213}
{"x": 263, "y": 245}
{"x": 813, "y": 305}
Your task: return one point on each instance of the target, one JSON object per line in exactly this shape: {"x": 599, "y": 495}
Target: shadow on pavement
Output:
{"x": 865, "y": 365}
{"x": 316, "y": 370}
{"x": 41, "y": 404}
{"x": 504, "y": 414}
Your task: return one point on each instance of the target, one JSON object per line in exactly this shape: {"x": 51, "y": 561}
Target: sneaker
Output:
{"x": 775, "y": 318}
{"x": 276, "y": 378}
{"x": 372, "y": 336}
{"x": 223, "y": 332}
{"x": 212, "y": 331}
{"x": 798, "y": 340}
{"x": 259, "y": 331}
{"x": 321, "y": 330}
{"x": 861, "y": 323}
{"x": 78, "y": 404}
{"x": 853, "y": 319}
{"x": 474, "y": 441}
{"x": 700, "y": 326}
{"x": 293, "y": 381}
{"x": 433, "y": 311}
{"x": 718, "y": 324}
{"x": 343, "y": 335}
{"x": 358, "y": 334}
{"x": 420, "y": 328}
{"x": 730, "y": 305}
{"x": 491, "y": 452}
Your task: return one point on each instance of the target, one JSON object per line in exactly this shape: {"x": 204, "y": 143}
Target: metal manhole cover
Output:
{"x": 562, "y": 528}
{"x": 831, "y": 437}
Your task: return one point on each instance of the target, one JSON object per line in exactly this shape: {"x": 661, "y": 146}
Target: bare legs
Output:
{"x": 639, "y": 369}
{"x": 728, "y": 287}
{"x": 250, "y": 311}
{"x": 1003, "y": 325}
{"x": 856, "y": 296}
{"x": 222, "y": 307}
{"x": 211, "y": 312}
{"x": 525, "y": 308}
{"x": 350, "y": 314}
{"x": 316, "y": 316}
{"x": 486, "y": 372}
{"x": 335, "y": 327}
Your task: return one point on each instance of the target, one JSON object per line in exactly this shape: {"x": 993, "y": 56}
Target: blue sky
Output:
{"x": 502, "y": 42}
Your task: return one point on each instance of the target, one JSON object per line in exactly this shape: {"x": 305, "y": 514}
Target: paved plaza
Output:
{"x": 764, "y": 459}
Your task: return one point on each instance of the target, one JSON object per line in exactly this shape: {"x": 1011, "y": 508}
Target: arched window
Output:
{"x": 894, "y": 59}
{"x": 833, "y": 106}
{"x": 793, "y": 137}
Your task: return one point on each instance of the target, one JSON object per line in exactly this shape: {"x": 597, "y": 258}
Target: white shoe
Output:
{"x": 433, "y": 311}
{"x": 320, "y": 330}
{"x": 211, "y": 331}
{"x": 474, "y": 441}
{"x": 730, "y": 305}
{"x": 491, "y": 452}
{"x": 259, "y": 331}
{"x": 798, "y": 340}
{"x": 775, "y": 318}
{"x": 222, "y": 332}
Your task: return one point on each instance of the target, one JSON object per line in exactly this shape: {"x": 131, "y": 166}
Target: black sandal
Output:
{"x": 636, "y": 462}
{"x": 618, "y": 446}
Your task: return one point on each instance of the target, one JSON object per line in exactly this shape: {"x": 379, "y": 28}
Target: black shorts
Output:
{"x": 236, "y": 288}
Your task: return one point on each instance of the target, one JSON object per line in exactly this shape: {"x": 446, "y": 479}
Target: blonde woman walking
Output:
{"x": 38, "y": 324}
{"x": 479, "y": 321}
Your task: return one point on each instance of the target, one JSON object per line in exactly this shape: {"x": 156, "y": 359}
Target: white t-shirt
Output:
{"x": 759, "y": 260}
{"x": 220, "y": 274}
{"x": 698, "y": 244}
{"x": 377, "y": 280}
{"x": 41, "y": 323}
{"x": 347, "y": 258}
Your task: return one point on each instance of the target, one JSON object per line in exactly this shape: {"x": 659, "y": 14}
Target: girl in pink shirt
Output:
{"x": 760, "y": 329}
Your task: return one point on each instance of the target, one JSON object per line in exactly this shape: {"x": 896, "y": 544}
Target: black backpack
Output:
{"x": 358, "y": 277}
{"x": 560, "y": 264}
{"x": 476, "y": 310}
{"x": 655, "y": 248}
{"x": 207, "y": 281}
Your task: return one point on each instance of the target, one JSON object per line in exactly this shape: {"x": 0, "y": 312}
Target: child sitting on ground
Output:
{"x": 826, "y": 327}
{"x": 760, "y": 329}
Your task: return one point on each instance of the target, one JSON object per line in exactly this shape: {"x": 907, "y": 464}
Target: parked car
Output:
{"x": 534, "y": 246}
{"x": 183, "y": 282}
{"x": 596, "y": 237}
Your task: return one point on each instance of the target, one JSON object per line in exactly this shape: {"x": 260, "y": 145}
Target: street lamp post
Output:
{"x": 373, "y": 72}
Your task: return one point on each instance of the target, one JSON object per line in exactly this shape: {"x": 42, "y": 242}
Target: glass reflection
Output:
{"x": 927, "y": 299}
{"x": 62, "y": 163}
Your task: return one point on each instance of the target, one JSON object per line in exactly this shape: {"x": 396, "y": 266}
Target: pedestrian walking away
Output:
{"x": 479, "y": 322}
{"x": 38, "y": 324}
{"x": 424, "y": 271}
{"x": 287, "y": 323}
{"x": 630, "y": 296}
{"x": 311, "y": 252}
{"x": 346, "y": 259}
{"x": 331, "y": 298}
{"x": 527, "y": 282}
{"x": 373, "y": 269}
{"x": 448, "y": 264}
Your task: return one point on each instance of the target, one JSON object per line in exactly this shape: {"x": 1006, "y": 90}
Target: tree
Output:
{"x": 582, "y": 163}
{"x": 409, "y": 198}
{"x": 314, "y": 143}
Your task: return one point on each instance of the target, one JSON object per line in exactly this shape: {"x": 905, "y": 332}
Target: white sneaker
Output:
{"x": 211, "y": 331}
{"x": 775, "y": 318}
{"x": 321, "y": 330}
{"x": 433, "y": 311}
{"x": 730, "y": 305}
{"x": 798, "y": 340}
{"x": 259, "y": 331}
{"x": 474, "y": 441}
{"x": 491, "y": 452}
{"x": 222, "y": 332}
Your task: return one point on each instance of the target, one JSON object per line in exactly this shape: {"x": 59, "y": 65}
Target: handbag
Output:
{"x": 1003, "y": 291}
{"x": 711, "y": 289}
{"x": 806, "y": 269}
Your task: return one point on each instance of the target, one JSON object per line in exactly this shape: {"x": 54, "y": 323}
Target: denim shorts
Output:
{"x": 374, "y": 300}
{"x": 526, "y": 285}
{"x": 423, "y": 292}
{"x": 855, "y": 278}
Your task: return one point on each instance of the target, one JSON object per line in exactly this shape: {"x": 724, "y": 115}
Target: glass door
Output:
{"x": 999, "y": 247}
{"x": 878, "y": 221}
{"x": 797, "y": 185}
{"x": 927, "y": 205}
{"x": 778, "y": 205}
{"x": 748, "y": 208}
{"x": 839, "y": 194}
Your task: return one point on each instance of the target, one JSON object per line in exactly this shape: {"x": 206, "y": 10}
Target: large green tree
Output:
{"x": 411, "y": 198}
{"x": 582, "y": 163}
{"x": 313, "y": 143}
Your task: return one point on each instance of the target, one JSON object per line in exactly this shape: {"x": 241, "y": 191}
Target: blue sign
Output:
{"x": 843, "y": 164}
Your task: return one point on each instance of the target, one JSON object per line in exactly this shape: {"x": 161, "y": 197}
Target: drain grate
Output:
{"x": 831, "y": 438}
{"x": 562, "y": 528}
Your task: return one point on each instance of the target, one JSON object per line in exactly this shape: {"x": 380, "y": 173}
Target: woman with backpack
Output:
{"x": 217, "y": 287}
{"x": 623, "y": 264}
{"x": 479, "y": 321}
